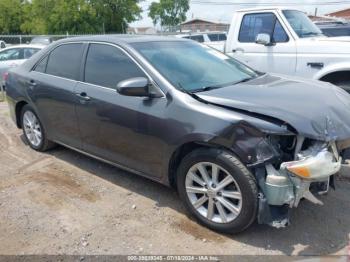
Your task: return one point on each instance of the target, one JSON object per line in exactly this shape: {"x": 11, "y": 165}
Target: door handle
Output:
{"x": 31, "y": 84}
{"x": 238, "y": 50}
{"x": 83, "y": 96}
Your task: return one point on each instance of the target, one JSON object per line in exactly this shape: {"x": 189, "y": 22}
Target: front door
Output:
{"x": 279, "y": 57}
{"x": 114, "y": 127}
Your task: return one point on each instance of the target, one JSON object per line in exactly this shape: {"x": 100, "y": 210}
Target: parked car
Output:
{"x": 334, "y": 29}
{"x": 213, "y": 39}
{"x": 14, "y": 56}
{"x": 287, "y": 42}
{"x": 41, "y": 40}
{"x": 2, "y": 44}
{"x": 236, "y": 144}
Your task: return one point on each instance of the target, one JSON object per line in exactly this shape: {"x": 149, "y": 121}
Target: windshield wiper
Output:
{"x": 182, "y": 89}
{"x": 311, "y": 34}
{"x": 244, "y": 80}
{"x": 208, "y": 88}
{"x": 205, "y": 88}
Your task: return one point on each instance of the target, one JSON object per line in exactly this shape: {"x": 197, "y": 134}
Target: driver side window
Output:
{"x": 107, "y": 65}
{"x": 262, "y": 23}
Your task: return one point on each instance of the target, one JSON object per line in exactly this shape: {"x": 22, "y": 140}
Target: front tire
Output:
{"x": 33, "y": 130}
{"x": 218, "y": 190}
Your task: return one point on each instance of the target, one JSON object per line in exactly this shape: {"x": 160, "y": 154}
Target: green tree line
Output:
{"x": 62, "y": 16}
{"x": 168, "y": 13}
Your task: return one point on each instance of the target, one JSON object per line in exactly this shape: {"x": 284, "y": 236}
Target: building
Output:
{"x": 321, "y": 18}
{"x": 343, "y": 14}
{"x": 142, "y": 30}
{"x": 203, "y": 25}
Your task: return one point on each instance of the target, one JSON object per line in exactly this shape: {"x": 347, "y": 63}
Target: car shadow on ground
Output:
{"x": 314, "y": 230}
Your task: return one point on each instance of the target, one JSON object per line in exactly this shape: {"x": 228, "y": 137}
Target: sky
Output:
{"x": 223, "y": 12}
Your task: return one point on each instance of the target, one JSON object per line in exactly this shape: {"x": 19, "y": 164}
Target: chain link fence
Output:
{"x": 26, "y": 39}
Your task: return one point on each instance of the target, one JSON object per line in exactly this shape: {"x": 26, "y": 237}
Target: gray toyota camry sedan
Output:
{"x": 238, "y": 145}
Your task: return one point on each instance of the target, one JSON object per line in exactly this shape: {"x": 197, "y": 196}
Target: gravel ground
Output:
{"x": 62, "y": 202}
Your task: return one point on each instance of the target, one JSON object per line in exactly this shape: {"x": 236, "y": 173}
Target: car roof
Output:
{"x": 271, "y": 8}
{"x": 202, "y": 33}
{"x": 23, "y": 46}
{"x": 121, "y": 39}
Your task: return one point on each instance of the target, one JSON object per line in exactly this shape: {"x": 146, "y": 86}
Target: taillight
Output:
{"x": 5, "y": 76}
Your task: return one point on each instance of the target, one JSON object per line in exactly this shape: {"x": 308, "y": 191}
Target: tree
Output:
{"x": 36, "y": 15}
{"x": 78, "y": 16}
{"x": 114, "y": 15}
{"x": 169, "y": 13}
{"x": 10, "y": 16}
{"x": 72, "y": 16}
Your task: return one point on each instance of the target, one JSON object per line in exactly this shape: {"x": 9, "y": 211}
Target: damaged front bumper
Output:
{"x": 285, "y": 187}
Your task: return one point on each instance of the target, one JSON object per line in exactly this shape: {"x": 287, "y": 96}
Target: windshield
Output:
{"x": 10, "y": 54}
{"x": 192, "y": 67}
{"x": 301, "y": 24}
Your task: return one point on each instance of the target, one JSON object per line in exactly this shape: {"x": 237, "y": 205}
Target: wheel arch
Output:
{"x": 18, "y": 109}
{"x": 337, "y": 77}
{"x": 182, "y": 151}
{"x": 332, "y": 70}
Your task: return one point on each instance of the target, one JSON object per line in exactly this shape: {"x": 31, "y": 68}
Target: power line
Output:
{"x": 203, "y": 2}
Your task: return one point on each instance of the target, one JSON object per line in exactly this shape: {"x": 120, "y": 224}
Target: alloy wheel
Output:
{"x": 32, "y": 128}
{"x": 213, "y": 192}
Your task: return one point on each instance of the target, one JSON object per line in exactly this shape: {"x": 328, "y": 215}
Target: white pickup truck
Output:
{"x": 285, "y": 41}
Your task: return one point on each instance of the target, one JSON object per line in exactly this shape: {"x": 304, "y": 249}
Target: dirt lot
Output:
{"x": 64, "y": 203}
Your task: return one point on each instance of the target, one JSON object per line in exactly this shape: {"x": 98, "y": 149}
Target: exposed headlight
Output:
{"x": 314, "y": 167}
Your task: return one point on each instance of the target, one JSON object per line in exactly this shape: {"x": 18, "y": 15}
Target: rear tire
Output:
{"x": 33, "y": 130}
{"x": 228, "y": 209}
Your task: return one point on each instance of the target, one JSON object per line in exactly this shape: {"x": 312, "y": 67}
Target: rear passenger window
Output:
{"x": 41, "y": 67}
{"x": 65, "y": 60}
{"x": 217, "y": 37}
{"x": 197, "y": 38}
{"x": 107, "y": 66}
{"x": 29, "y": 52}
{"x": 222, "y": 37}
{"x": 263, "y": 23}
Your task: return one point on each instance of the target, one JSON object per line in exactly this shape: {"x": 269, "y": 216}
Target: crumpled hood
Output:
{"x": 316, "y": 110}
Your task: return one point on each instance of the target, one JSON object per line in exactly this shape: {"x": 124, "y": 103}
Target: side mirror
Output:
{"x": 138, "y": 86}
{"x": 263, "y": 39}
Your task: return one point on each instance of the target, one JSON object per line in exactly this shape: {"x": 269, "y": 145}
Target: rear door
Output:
{"x": 51, "y": 87}
{"x": 280, "y": 57}
{"x": 117, "y": 128}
